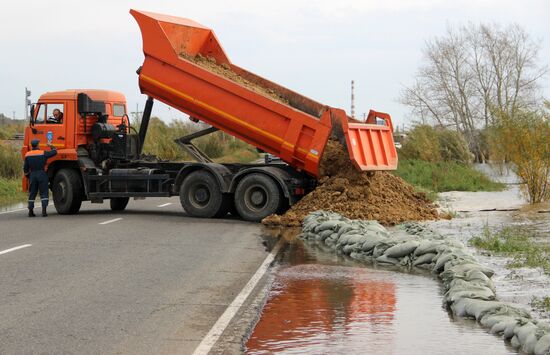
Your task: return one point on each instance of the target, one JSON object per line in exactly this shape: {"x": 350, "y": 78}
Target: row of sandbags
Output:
{"x": 469, "y": 290}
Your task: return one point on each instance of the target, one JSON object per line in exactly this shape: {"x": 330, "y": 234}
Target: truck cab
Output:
{"x": 71, "y": 130}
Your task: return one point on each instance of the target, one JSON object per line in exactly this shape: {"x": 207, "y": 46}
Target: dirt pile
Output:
{"x": 342, "y": 189}
{"x": 210, "y": 64}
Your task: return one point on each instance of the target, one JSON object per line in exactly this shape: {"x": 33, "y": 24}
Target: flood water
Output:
{"x": 320, "y": 303}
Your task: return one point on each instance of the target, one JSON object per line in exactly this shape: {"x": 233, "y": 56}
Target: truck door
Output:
{"x": 49, "y": 125}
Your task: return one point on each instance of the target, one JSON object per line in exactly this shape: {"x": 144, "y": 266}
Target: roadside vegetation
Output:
{"x": 516, "y": 243}
{"x": 542, "y": 303}
{"x": 524, "y": 140}
{"x": 219, "y": 146}
{"x": 11, "y": 169}
{"x": 439, "y": 160}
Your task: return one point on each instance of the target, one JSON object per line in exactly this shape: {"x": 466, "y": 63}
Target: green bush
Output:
{"x": 217, "y": 145}
{"x": 444, "y": 176}
{"x": 11, "y": 166}
{"x": 10, "y": 191}
{"x": 523, "y": 139}
{"x": 426, "y": 143}
{"x": 517, "y": 243}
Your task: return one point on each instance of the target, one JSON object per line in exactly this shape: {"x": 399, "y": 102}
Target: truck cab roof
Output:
{"x": 98, "y": 95}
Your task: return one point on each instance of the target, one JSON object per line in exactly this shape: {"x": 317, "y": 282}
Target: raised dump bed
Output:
{"x": 186, "y": 68}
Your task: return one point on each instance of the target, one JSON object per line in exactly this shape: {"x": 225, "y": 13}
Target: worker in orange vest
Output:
{"x": 34, "y": 168}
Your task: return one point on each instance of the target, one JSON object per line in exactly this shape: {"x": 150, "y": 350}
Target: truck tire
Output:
{"x": 200, "y": 196}
{"x": 256, "y": 197}
{"x": 67, "y": 191}
{"x": 119, "y": 203}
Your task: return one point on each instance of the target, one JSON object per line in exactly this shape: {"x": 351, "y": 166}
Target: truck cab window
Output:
{"x": 40, "y": 114}
{"x": 118, "y": 110}
{"x": 55, "y": 113}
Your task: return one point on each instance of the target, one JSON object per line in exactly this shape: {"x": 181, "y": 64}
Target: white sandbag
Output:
{"x": 427, "y": 247}
{"x": 384, "y": 259}
{"x": 524, "y": 332}
{"x": 543, "y": 345}
{"x": 402, "y": 249}
{"x": 423, "y": 259}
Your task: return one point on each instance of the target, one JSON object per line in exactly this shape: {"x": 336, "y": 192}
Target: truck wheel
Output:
{"x": 200, "y": 196}
{"x": 256, "y": 197}
{"x": 119, "y": 203}
{"x": 67, "y": 191}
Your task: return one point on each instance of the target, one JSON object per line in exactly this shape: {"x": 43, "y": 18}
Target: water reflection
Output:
{"x": 319, "y": 304}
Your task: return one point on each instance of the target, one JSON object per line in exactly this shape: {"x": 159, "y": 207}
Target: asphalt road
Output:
{"x": 147, "y": 280}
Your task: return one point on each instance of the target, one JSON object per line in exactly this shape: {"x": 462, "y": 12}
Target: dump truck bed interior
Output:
{"x": 186, "y": 68}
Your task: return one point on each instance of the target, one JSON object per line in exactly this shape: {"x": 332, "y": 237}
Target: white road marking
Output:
{"x": 111, "y": 220}
{"x": 164, "y": 205}
{"x": 11, "y": 211}
{"x": 217, "y": 330}
{"x": 15, "y": 248}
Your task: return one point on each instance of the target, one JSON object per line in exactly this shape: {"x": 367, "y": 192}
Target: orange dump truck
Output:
{"x": 186, "y": 68}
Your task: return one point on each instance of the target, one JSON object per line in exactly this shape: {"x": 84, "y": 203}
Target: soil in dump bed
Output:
{"x": 377, "y": 196}
{"x": 210, "y": 64}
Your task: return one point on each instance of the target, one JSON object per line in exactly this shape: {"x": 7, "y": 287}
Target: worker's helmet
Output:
{"x": 34, "y": 143}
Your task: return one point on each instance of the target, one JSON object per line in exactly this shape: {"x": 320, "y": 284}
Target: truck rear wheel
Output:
{"x": 200, "y": 196}
{"x": 67, "y": 191}
{"x": 119, "y": 203}
{"x": 256, "y": 197}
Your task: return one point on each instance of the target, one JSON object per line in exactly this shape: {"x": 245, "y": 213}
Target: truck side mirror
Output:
{"x": 32, "y": 115}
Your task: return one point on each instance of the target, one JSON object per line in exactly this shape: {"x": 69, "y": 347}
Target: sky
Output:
{"x": 313, "y": 47}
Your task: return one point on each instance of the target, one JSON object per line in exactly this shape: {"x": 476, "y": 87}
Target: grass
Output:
{"x": 541, "y": 303}
{"x": 516, "y": 243}
{"x": 239, "y": 155}
{"x": 444, "y": 176}
{"x": 10, "y": 191}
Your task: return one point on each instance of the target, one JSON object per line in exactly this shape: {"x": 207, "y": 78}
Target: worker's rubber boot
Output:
{"x": 31, "y": 213}
{"x": 44, "y": 213}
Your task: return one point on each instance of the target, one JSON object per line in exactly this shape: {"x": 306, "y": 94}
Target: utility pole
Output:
{"x": 13, "y": 114}
{"x": 352, "y": 99}
{"x": 27, "y": 103}
{"x": 137, "y": 113}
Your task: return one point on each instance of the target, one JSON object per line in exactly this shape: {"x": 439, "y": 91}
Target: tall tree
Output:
{"x": 472, "y": 72}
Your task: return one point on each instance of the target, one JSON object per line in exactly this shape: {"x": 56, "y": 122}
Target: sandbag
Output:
{"x": 427, "y": 247}
{"x": 543, "y": 345}
{"x": 384, "y": 259}
{"x": 370, "y": 243}
{"x": 400, "y": 250}
{"x": 423, "y": 259}
{"x": 524, "y": 332}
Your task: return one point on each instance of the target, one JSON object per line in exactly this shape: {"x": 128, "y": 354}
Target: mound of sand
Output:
{"x": 210, "y": 64}
{"x": 342, "y": 189}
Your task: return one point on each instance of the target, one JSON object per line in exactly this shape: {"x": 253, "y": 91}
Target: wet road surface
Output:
{"x": 322, "y": 303}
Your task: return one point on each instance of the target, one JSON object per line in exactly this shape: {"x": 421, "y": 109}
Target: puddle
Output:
{"x": 324, "y": 303}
